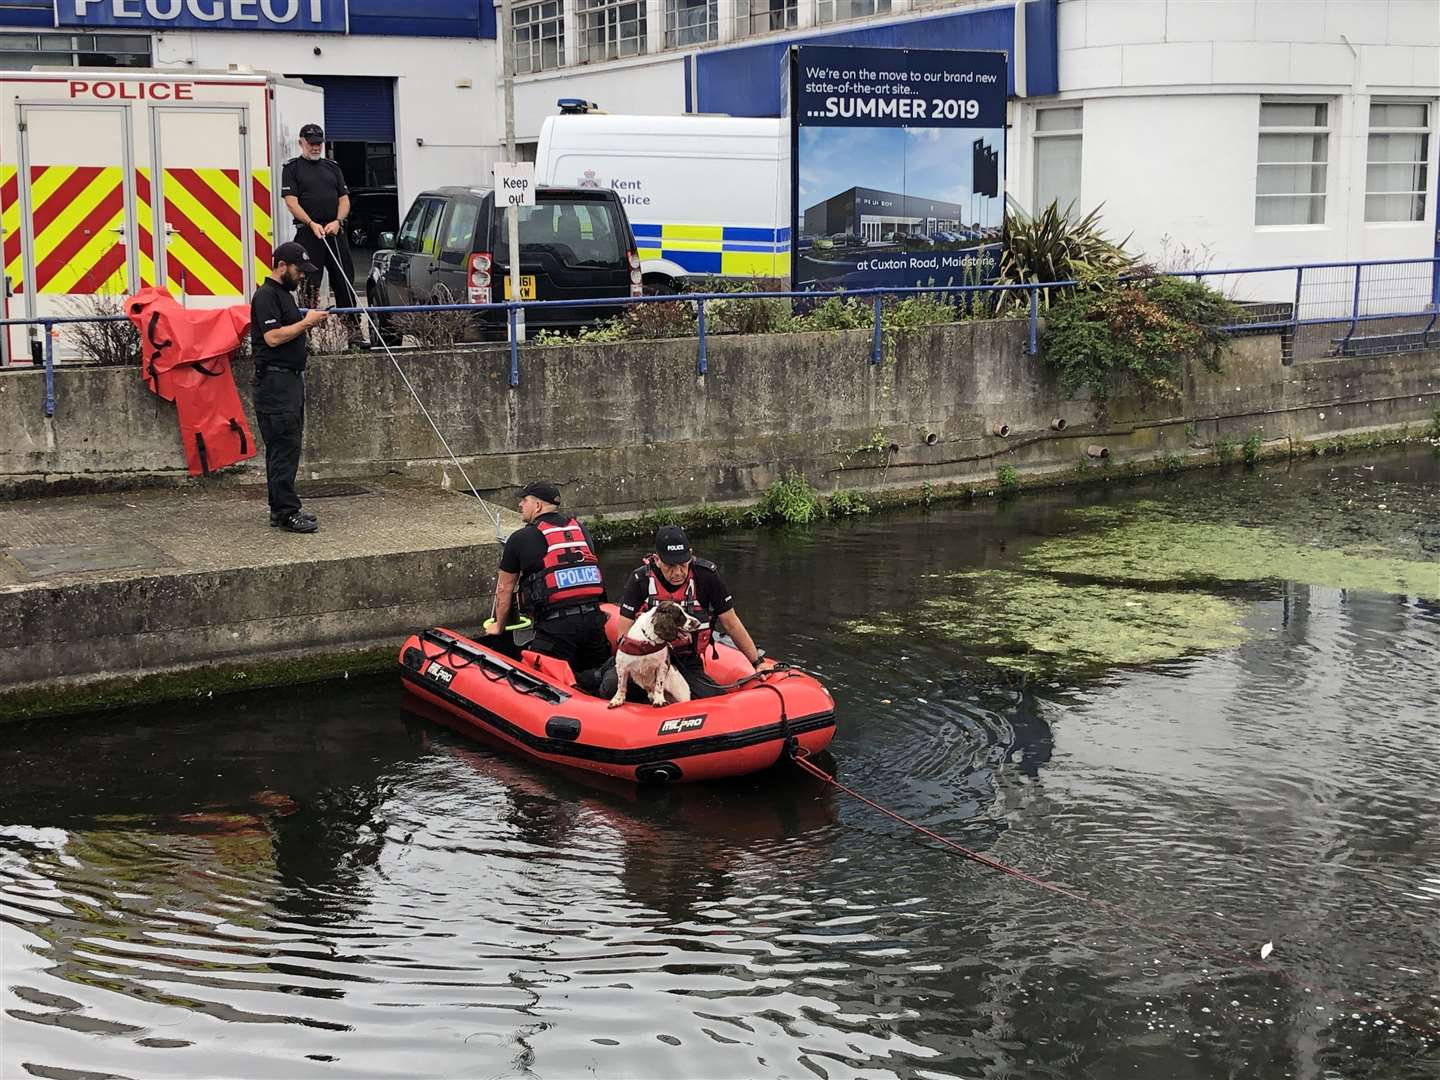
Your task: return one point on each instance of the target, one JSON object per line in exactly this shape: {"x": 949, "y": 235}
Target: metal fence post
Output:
{"x": 514, "y": 346}
{"x": 875, "y": 346}
{"x": 1295, "y": 315}
{"x": 702, "y": 361}
{"x": 1354, "y": 311}
{"x": 49, "y": 330}
{"x": 1034, "y": 346}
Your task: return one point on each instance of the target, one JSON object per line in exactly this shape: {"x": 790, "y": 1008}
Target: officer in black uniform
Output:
{"x": 674, "y": 572}
{"x": 277, "y": 337}
{"x": 315, "y": 191}
{"x": 551, "y": 560}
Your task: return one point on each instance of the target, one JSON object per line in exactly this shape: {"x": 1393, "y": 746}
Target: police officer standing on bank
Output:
{"x": 277, "y": 338}
{"x": 315, "y": 191}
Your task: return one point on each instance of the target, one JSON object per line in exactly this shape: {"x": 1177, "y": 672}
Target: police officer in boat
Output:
{"x": 550, "y": 564}
{"x": 674, "y": 573}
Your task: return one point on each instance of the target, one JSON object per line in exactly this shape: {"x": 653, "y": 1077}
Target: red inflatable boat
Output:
{"x": 534, "y": 706}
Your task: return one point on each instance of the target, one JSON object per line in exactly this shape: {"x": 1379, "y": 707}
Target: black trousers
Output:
{"x": 579, "y": 640}
{"x": 342, "y": 274}
{"x": 280, "y": 410}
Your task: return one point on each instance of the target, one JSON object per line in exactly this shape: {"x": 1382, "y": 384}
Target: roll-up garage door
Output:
{"x": 359, "y": 108}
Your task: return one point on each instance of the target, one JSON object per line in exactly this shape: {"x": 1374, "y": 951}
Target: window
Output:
{"x": 539, "y": 34}
{"x": 1396, "y": 173}
{"x": 763, "y": 16}
{"x": 74, "y": 50}
{"x": 460, "y": 231}
{"x": 840, "y": 10}
{"x": 574, "y": 233}
{"x": 421, "y": 225}
{"x": 691, "y": 22}
{"x": 1057, "y": 156}
{"x": 1291, "y": 173}
{"x": 610, "y": 28}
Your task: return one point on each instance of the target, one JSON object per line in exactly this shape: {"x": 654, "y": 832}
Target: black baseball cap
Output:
{"x": 672, "y": 545}
{"x": 312, "y": 133}
{"x": 542, "y": 490}
{"x": 293, "y": 253}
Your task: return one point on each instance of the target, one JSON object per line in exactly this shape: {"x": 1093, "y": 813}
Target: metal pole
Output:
{"x": 1354, "y": 312}
{"x": 702, "y": 362}
{"x": 514, "y": 346}
{"x": 875, "y": 350}
{"x": 49, "y": 329}
{"x": 1034, "y": 322}
{"x": 512, "y": 214}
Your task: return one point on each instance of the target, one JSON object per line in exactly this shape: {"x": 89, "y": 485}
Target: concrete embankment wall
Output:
{"x": 632, "y": 426}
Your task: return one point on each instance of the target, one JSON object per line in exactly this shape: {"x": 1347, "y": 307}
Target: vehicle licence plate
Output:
{"x": 527, "y": 287}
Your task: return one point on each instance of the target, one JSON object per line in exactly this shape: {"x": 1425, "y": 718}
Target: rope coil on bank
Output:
{"x": 801, "y": 757}
{"x": 492, "y": 512}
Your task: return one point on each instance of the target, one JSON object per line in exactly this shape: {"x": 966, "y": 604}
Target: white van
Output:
{"x": 704, "y": 194}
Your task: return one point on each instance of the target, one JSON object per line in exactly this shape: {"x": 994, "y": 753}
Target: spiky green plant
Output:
{"x": 1056, "y": 246}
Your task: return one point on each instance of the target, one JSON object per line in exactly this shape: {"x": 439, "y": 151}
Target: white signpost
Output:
{"x": 514, "y": 188}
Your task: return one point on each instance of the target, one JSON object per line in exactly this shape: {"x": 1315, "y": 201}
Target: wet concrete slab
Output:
{"x": 97, "y": 588}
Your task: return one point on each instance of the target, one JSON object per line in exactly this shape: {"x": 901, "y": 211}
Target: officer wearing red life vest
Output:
{"x": 550, "y": 563}
{"x": 674, "y": 573}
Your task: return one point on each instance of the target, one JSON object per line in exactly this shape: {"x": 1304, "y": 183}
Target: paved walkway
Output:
{"x": 140, "y": 594}
{"x": 55, "y": 541}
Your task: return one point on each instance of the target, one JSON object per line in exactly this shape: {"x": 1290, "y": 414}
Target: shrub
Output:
{"x": 839, "y": 313}
{"x": 667, "y": 319}
{"x": 108, "y": 344}
{"x": 430, "y": 329}
{"x": 921, "y": 309}
{"x": 846, "y": 504}
{"x": 790, "y": 499}
{"x": 1055, "y": 246}
{"x": 1142, "y": 334}
{"x": 1007, "y": 478}
{"x": 607, "y": 332}
{"x": 754, "y": 316}
{"x": 1251, "y": 449}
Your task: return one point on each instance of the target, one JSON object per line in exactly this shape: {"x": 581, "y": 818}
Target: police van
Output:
{"x": 115, "y": 179}
{"x": 706, "y": 195}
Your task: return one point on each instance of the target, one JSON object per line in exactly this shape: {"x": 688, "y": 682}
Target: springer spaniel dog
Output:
{"x": 644, "y": 654}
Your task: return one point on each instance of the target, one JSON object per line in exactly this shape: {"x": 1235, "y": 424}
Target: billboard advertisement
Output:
{"x": 897, "y": 166}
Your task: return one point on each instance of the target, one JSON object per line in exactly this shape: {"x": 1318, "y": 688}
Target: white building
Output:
{"x": 1246, "y": 131}
{"x": 1226, "y": 132}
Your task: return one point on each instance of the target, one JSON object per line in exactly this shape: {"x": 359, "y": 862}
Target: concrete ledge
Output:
{"x": 167, "y": 582}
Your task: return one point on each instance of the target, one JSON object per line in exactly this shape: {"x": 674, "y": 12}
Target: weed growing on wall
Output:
{"x": 790, "y": 499}
{"x": 1135, "y": 336}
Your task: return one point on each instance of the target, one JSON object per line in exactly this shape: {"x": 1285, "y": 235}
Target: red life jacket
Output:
{"x": 682, "y": 594}
{"x": 569, "y": 573}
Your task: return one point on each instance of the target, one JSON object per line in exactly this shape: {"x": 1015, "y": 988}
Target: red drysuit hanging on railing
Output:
{"x": 185, "y": 358}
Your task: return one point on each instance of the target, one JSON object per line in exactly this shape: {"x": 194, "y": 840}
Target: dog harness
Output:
{"x": 569, "y": 573}
{"x": 682, "y": 594}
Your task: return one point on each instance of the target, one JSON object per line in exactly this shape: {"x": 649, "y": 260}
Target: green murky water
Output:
{"x": 1211, "y": 702}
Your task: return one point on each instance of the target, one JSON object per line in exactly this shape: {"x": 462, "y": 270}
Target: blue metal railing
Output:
{"x": 1323, "y": 309}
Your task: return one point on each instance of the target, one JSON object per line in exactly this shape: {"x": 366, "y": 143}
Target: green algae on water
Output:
{"x": 1148, "y": 549}
{"x": 1035, "y": 623}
